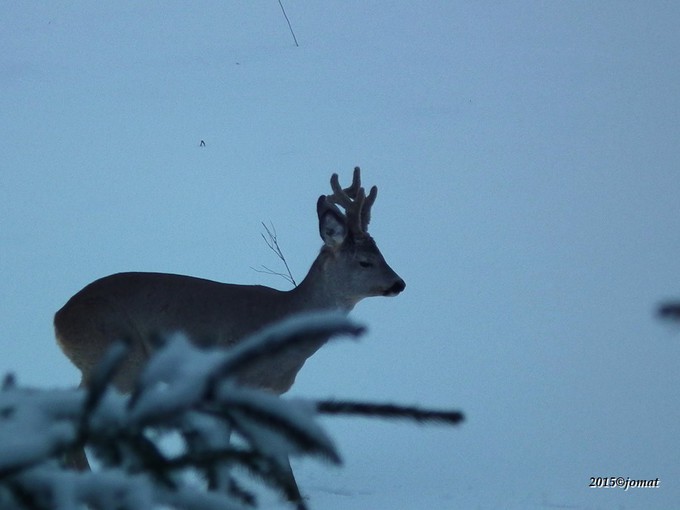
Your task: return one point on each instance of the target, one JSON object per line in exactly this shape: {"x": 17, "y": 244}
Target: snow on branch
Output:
{"x": 151, "y": 445}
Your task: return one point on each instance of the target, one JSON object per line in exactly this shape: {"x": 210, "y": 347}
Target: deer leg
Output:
{"x": 76, "y": 459}
{"x": 292, "y": 490}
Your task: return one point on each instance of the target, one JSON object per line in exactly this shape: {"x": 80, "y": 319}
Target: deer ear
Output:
{"x": 332, "y": 224}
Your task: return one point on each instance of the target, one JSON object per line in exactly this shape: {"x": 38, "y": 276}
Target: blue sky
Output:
{"x": 526, "y": 155}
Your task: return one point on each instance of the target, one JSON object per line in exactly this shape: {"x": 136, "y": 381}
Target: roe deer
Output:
{"x": 139, "y": 306}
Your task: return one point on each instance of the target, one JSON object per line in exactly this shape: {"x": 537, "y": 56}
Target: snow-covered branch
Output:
{"x": 176, "y": 424}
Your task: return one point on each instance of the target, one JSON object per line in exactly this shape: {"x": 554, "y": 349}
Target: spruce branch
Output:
{"x": 389, "y": 411}
{"x": 184, "y": 393}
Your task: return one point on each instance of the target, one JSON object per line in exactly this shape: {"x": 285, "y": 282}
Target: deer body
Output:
{"x": 138, "y": 307}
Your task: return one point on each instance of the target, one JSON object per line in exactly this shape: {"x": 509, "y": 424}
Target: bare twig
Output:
{"x": 290, "y": 27}
{"x": 272, "y": 241}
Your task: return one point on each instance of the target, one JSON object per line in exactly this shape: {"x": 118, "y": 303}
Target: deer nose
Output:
{"x": 395, "y": 289}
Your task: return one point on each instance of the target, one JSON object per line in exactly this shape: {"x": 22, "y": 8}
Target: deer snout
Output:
{"x": 396, "y": 288}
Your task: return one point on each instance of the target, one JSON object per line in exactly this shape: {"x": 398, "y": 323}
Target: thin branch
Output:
{"x": 290, "y": 27}
{"x": 273, "y": 242}
{"x": 264, "y": 269}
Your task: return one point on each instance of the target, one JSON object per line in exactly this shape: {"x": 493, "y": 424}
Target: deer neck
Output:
{"x": 318, "y": 292}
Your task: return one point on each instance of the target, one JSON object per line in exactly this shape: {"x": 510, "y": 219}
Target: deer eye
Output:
{"x": 365, "y": 263}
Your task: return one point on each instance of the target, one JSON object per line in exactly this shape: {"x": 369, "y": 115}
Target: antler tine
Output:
{"x": 355, "y": 214}
{"x": 368, "y": 203}
{"x": 339, "y": 195}
{"x": 356, "y": 183}
{"x": 366, "y": 209}
{"x": 352, "y": 199}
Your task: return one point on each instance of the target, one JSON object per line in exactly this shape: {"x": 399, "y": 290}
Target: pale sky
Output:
{"x": 526, "y": 155}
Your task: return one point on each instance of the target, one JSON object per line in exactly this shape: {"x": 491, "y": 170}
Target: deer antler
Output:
{"x": 354, "y": 200}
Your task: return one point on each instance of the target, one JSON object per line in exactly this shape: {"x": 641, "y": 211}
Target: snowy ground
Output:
{"x": 527, "y": 160}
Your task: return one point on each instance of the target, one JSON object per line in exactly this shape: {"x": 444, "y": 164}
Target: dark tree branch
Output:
{"x": 389, "y": 411}
{"x": 669, "y": 311}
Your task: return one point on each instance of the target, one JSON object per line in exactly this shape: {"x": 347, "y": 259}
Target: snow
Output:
{"x": 295, "y": 417}
{"x": 34, "y": 424}
{"x": 526, "y": 158}
{"x": 179, "y": 375}
{"x": 183, "y": 389}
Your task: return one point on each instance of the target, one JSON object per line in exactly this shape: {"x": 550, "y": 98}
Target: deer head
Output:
{"x": 353, "y": 265}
